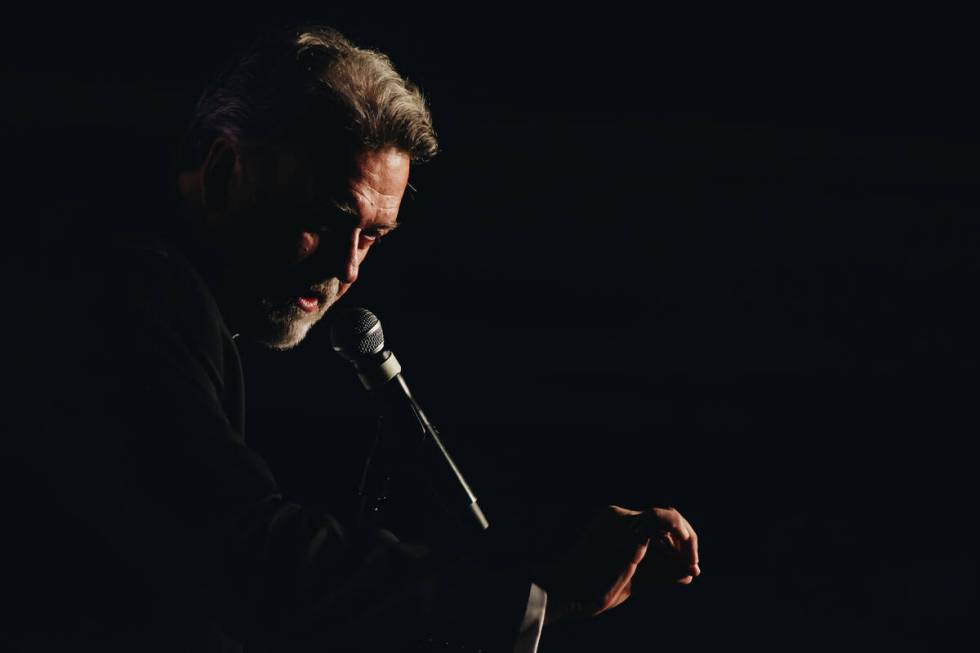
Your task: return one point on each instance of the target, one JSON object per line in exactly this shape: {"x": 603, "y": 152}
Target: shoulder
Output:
{"x": 155, "y": 273}
{"x": 137, "y": 295}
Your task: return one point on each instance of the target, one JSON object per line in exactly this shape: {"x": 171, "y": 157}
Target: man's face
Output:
{"x": 301, "y": 231}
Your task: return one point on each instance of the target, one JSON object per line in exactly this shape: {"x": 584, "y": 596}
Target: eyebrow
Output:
{"x": 386, "y": 227}
{"x": 348, "y": 209}
{"x": 344, "y": 206}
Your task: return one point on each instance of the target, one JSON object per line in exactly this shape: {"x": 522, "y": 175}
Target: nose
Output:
{"x": 351, "y": 262}
{"x": 334, "y": 254}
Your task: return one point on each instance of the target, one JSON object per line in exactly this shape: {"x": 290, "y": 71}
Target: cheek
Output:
{"x": 308, "y": 243}
{"x": 284, "y": 247}
{"x": 362, "y": 254}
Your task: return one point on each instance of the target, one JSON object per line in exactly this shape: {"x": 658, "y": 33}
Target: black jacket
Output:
{"x": 139, "y": 520}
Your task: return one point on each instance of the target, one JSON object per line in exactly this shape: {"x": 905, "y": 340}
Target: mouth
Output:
{"x": 310, "y": 300}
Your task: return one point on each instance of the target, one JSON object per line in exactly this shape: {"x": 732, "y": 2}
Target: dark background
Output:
{"x": 720, "y": 261}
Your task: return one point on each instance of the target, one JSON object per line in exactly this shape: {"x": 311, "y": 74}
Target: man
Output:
{"x": 149, "y": 524}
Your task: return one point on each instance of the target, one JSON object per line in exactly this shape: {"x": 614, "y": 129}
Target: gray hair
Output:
{"x": 309, "y": 81}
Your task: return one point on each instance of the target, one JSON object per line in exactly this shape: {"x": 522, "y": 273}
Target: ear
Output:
{"x": 218, "y": 172}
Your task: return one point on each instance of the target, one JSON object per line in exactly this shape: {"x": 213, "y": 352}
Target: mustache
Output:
{"x": 283, "y": 285}
{"x": 323, "y": 287}
{"x": 285, "y": 290}
{"x": 322, "y": 290}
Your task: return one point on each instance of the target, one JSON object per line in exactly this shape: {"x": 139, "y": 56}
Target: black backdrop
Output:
{"x": 724, "y": 262}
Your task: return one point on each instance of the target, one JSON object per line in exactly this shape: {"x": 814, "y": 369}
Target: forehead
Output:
{"x": 297, "y": 169}
{"x": 376, "y": 178}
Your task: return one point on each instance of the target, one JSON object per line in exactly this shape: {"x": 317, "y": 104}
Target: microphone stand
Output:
{"x": 413, "y": 440}
{"x": 375, "y": 482}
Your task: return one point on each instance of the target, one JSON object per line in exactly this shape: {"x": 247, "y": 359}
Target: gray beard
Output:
{"x": 281, "y": 324}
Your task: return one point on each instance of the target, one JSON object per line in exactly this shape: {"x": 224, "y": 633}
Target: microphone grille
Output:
{"x": 356, "y": 332}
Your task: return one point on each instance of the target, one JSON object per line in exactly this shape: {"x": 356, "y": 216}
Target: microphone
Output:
{"x": 356, "y": 336}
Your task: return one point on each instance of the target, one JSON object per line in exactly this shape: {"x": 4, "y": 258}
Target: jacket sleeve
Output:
{"x": 141, "y": 413}
{"x": 530, "y": 632}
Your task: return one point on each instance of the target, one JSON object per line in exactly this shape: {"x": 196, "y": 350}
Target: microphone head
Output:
{"x": 356, "y": 334}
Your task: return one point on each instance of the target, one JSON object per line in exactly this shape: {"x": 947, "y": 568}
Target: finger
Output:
{"x": 688, "y": 543}
{"x": 658, "y": 571}
{"x": 674, "y": 539}
{"x": 670, "y": 535}
{"x": 664, "y": 519}
{"x": 619, "y": 590}
{"x": 617, "y": 596}
{"x": 695, "y": 551}
{"x": 694, "y": 534}
{"x": 664, "y": 526}
{"x": 671, "y": 526}
{"x": 640, "y": 552}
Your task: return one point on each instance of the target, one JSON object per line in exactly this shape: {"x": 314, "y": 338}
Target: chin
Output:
{"x": 279, "y": 323}
{"x": 287, "y": 339}
{"x": 284, "y": 328}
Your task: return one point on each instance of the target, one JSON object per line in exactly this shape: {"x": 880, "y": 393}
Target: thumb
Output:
{"x": 662, "y": 567}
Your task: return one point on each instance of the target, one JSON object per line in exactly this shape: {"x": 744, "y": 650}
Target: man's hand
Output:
{"x": 621, "y": 552}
